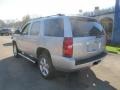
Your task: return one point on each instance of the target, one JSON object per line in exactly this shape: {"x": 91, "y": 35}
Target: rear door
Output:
{"x": 88, "y": 37}
{"x": 34, "y": 37}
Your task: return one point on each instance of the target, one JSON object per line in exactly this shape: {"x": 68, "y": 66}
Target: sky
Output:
{"x": 16, "y": 9}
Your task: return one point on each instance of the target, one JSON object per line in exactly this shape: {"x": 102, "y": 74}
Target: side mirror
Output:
{"x": 17, "y": 32}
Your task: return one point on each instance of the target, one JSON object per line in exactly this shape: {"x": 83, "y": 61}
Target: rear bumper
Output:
{"x": 70, "y": 64}
{"x": 94, "y": 58}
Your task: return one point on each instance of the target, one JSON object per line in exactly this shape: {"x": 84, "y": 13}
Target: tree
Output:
{"x": 25, "y": 19}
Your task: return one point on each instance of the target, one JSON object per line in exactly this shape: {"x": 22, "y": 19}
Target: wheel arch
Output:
{"x": 14, "y": 42}
{"x": 40, "y": 50}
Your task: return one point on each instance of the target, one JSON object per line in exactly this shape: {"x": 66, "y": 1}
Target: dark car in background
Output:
{"x": 5, "y": 32}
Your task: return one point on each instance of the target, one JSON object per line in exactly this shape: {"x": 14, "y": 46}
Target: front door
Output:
{"x": 24, "y": 38}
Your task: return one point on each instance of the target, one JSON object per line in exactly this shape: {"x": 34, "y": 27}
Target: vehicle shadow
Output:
{"x": 20, "y": 74}
{"x": 7, "y": 44}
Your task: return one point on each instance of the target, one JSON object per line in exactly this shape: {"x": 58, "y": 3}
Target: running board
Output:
{"x": 27, "y": 58}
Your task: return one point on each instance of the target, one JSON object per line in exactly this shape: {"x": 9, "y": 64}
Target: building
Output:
{"x": 106, "y": 18}
{"x": 110, "y": 21}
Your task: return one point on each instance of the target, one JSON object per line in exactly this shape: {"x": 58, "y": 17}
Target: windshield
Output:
{"x": 83, "y": 27}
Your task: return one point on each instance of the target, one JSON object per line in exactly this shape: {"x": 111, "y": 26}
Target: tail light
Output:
{"x": 68, "y": 47}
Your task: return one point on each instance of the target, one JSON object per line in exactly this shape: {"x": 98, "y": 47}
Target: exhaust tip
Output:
{"x": 97, "y": 62}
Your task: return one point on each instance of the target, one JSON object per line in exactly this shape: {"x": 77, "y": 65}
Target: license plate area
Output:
{"x": 93, "y": 46}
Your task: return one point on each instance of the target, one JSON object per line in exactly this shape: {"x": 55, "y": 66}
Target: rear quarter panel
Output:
{"x": 54, "y": 45}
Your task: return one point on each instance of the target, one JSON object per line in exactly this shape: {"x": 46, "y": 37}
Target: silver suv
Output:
{"x": 65, "y": 43}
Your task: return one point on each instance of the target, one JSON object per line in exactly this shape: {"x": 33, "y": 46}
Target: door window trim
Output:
{"x": 28, "y": 28}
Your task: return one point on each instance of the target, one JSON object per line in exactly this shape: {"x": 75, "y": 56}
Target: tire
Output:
{"x": 45, "y": 66}
{"x": 15, "y": 50}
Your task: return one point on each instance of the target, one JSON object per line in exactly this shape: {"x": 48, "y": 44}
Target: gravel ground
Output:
{"x": 20, "y": 74}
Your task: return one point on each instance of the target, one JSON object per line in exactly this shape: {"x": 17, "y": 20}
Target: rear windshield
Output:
{"x": 83, "y": 27}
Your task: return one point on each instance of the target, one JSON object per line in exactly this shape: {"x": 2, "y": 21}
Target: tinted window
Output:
{"x": 35, "y": 29}
{"x": 54, "y": 27}
{"x": 84, "y": 27}
{"x": 25, "y": 30}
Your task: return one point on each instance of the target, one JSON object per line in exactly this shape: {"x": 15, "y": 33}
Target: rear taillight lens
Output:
{"x": 68, "y": 47}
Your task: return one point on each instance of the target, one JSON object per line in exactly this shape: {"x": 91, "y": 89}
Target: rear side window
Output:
{"x": 54, "y": 27}
{"x": 84, "y": 27}
{"x": 35, "y": 29}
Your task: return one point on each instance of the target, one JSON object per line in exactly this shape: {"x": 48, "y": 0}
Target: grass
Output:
{"x": 113, "y": 48}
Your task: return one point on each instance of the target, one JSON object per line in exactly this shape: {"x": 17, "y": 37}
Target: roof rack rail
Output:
{"x": 60, "y": 14}
{"x": 36, "y": 18}
{"x": 47, "y": 16}
{"x": 56, "y": 15}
